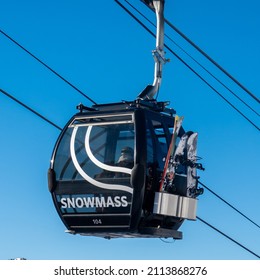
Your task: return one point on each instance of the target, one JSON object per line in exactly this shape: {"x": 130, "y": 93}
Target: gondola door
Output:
{"x": 92, "y": 163}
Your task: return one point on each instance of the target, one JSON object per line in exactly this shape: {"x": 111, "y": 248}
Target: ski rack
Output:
{"x": 150, "y": 104}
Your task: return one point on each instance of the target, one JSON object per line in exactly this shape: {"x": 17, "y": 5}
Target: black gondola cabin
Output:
{"x": 108, "y": 166}
{"x": 106, "y": 169}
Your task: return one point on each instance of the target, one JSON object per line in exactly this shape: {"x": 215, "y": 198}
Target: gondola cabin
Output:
{"x": 106, "y": 170}
{"x": 126, "y": 169}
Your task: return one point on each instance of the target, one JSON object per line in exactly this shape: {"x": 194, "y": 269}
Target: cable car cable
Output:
{"x": 230, "y": 205}
{"x": 214, "y": 62}
{"x": 56, "y": 126}
{"x": 39, "y": 115}
{"x": 196, "y": 61}
{"x": 48, "y": 67}
{"x": 27, "y": 107}
{"x": 216, "y": 91}
{"x": 228, "y": 237}
{"x": 211, "y": 60}
{"x": 30, "y": 109}
{"x": 196, "y": 73}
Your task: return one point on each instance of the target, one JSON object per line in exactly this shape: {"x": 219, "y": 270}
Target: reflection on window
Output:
{"x": 97, "y": 148}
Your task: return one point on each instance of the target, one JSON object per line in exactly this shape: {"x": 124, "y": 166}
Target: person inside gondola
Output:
{"x": 126, "y": 158}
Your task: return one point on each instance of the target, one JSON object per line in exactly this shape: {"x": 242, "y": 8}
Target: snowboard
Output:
{"x": 181, "y": 173}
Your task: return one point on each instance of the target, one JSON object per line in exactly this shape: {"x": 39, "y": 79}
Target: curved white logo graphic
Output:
{"x": 97, "y": 163}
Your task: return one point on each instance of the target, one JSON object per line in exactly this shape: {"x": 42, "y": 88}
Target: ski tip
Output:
{"x": 179, "y": 118}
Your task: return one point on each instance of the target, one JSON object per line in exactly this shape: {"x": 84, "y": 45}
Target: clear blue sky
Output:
{"x": 101, "y": 50}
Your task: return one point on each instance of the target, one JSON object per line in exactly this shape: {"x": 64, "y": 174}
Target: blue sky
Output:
{"x": 102, "y": 51}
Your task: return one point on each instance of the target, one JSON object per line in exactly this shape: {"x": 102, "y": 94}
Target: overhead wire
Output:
{"x": 223, "y": 200}
{"x": 208, "y": 57}
{"x": 214, "y": 62}
{"x": 230, "y": 205}
{"x": 188, "y": 66}
{"x": 149, "y": 31}
{"x": 228, "y": 237}
{"x": 47, "y": 66}
{"x": 195, "y": 60}
{"x": 59, "y": 128}
{"x": 65, "y": 80}
{"x": 29, "y": 108}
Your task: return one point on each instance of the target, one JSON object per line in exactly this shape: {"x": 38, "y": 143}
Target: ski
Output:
{"x": 168, "y": 171}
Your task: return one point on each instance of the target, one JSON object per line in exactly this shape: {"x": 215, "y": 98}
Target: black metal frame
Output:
{"x": 141, "y": 221}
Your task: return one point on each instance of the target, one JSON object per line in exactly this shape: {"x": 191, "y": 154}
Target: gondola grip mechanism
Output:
{"x": 158, "y": 54}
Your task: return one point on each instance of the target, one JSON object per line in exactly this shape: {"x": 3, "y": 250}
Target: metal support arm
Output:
{"x": 158, "y": 54}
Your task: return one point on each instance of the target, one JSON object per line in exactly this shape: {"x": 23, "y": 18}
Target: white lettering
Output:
{"x": 71, "y": 202}
{"x": 110, "y": 202}
{"x": 124, "y": 201}
{"x": 100, "y": 202}
{"x": 79, "y": 202}
{"x": 91, "y": 202}
{"x": 117, "y": 201}
{"x": 64, "y": 203}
